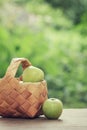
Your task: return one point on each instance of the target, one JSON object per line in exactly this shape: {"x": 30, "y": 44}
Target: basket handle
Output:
{"x": 13, "y": 67}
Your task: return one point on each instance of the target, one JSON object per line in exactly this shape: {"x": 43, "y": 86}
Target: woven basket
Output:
{"x": 18, "y": 98}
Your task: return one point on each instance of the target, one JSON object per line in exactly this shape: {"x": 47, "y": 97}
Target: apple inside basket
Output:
{"x": 22, "y": 98}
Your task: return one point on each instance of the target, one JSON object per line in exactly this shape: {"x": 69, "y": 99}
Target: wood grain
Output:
{"x": 71, "y": 119}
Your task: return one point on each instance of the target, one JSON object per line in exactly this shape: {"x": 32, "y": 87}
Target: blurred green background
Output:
{"x": 52, "y": 34}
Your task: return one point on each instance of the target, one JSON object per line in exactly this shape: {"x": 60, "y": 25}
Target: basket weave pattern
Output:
{"x": 19, "y": 99}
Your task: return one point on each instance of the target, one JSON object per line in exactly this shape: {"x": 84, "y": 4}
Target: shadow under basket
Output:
{"x": 18, "y": 98}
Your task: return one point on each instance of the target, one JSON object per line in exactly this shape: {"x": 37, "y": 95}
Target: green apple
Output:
{"x": 32, "y": 74}
{"x": 52, "y": 108}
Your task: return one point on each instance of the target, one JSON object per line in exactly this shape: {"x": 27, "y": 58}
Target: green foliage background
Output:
{"x": 53, "y": 36}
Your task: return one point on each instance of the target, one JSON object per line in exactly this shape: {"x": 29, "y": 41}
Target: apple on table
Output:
{"x": 52, "y": 108}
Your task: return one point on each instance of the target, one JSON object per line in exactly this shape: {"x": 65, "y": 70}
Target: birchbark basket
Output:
{"x": 18, "y": 98}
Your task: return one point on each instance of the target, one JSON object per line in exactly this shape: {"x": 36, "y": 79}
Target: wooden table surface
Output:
{"x": 71, "y": 119}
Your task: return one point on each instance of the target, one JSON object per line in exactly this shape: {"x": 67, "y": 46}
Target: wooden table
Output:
{"x": 71, "y": 119}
